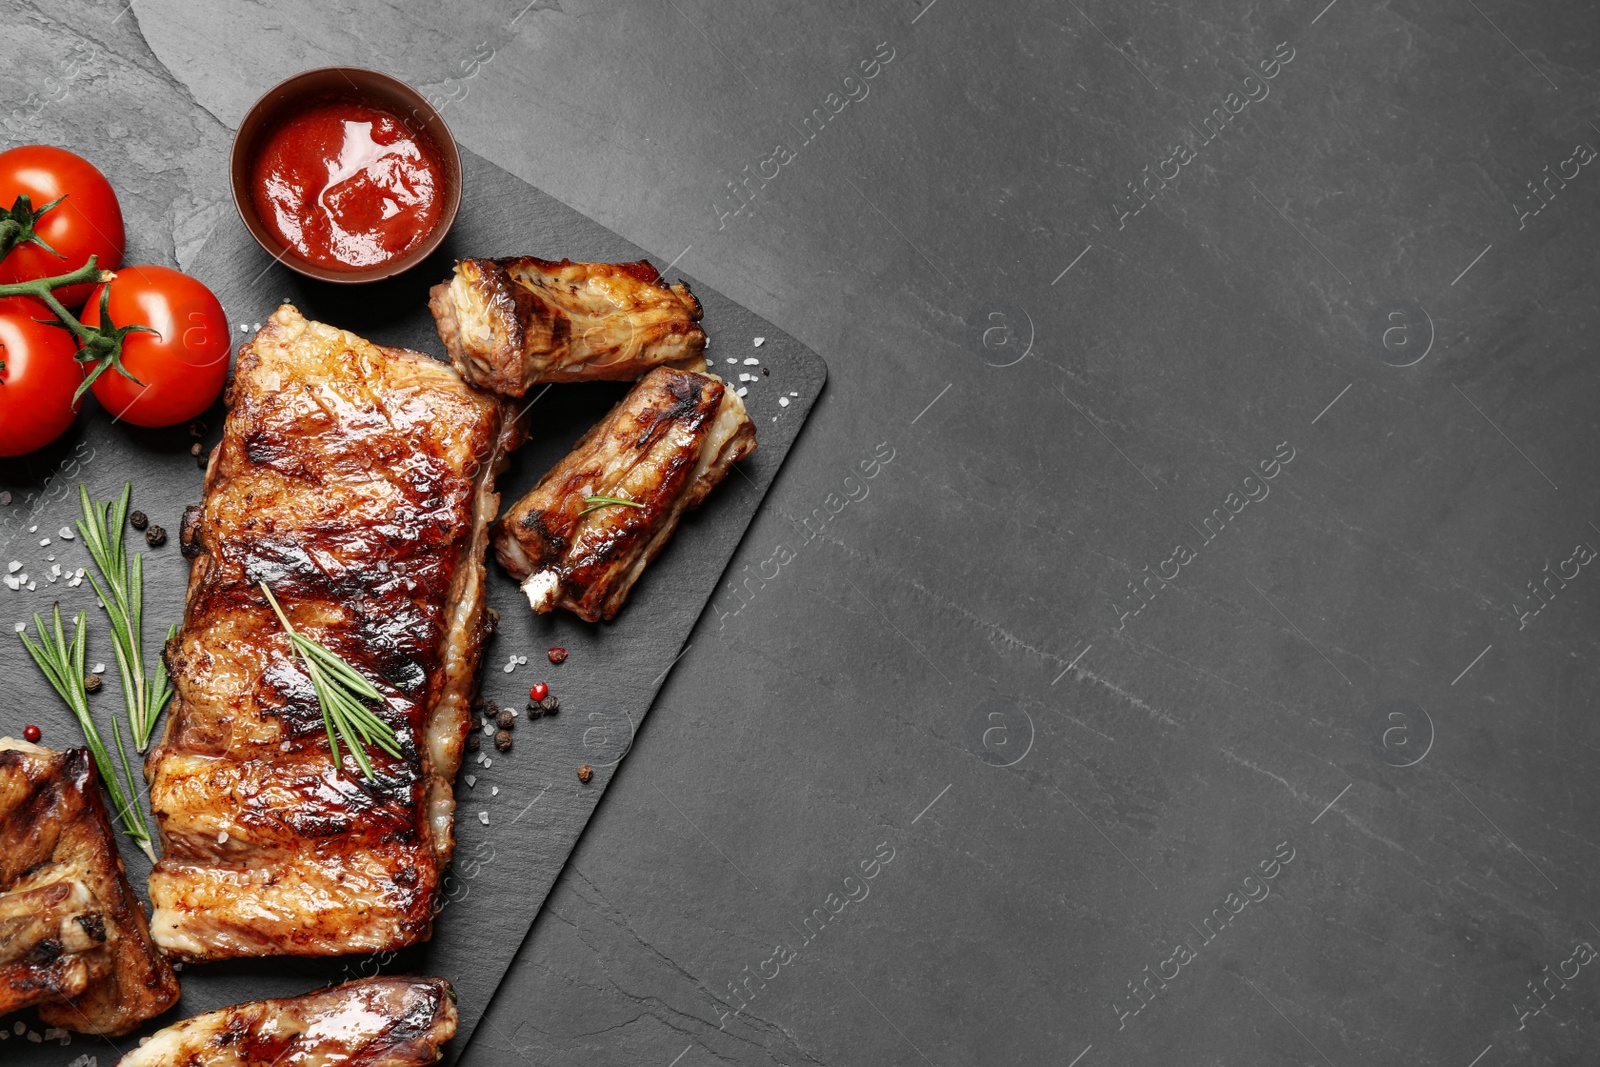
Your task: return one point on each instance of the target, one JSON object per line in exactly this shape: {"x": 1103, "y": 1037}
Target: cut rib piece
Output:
{"x": 374, "y": 1022}
{"x": 73, "y": 939}
{"x": 512, "y": 323}
{"x": 665, "y": 446}
{"x": 357, "y": 482}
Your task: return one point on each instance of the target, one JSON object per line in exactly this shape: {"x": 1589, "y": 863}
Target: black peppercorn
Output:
{"x": 474, "y": 741}
{"x": 585, "y": 773}
{"x": 137, "y": 520}
{"x": 550, "y": 705}
{"x": 534, "y": 710}
{"x": 155, "y": 537}
{"x": 505, "y": 720}
{"x": 91, "y": 683}
{"x": 196, "y": 448}
{"x": 502, "y": 740}
{"x": 489, "y": 710}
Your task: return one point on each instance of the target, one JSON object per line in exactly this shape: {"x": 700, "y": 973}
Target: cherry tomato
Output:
{"x": 38, "y": 380}
{"x": 182, "y": 365}
{"x": 87, "y": 223}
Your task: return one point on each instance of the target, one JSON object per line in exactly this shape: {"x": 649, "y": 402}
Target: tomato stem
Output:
{"x": 99, "y": 346}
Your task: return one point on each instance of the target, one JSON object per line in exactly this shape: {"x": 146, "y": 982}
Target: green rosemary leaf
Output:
{"x": 597, "y": 502}
{"x": 62, "y": 666}
{"x": 340, "y": 689}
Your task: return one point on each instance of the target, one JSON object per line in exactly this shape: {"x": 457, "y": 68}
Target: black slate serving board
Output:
{"x": 535, "y": 805}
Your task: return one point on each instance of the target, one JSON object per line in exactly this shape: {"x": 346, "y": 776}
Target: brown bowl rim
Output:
{"x": 273, "y": 104}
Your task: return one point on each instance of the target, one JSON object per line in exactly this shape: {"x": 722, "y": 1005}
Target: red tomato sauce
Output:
{"x": 348, "y": 186}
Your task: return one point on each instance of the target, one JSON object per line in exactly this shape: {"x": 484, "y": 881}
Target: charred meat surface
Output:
{"x": 73, "y": 938}
{"x": 357, "y": 482}
{"x": 375, "y": 1022}
{"x": 664, "y": 447}
{"x": 509, "y": 324}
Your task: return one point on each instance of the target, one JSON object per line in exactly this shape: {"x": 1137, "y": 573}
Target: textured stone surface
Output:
{"x": 967, "y": 613}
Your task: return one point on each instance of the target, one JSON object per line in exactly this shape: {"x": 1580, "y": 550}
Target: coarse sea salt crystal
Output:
{"x": 14, "y": 566}
{"x": 487, "y": 763}
{"x": 488, "y": 728}
{"x": 733, "y": 359}
{"x": 472, "y": 780}
{"x": 760, "y": 341}
{"x": 783, "y": 401}
{"x": 32, "y": 586}
{"x": 744, "y": 377}
{"x": 483, "y": 817}
{"x": 65, "y": 534}
{"x": 99, "y": 668}
{"x": 744, "y": 389}
{"x": 752, "y": 362}
{"x": 509, "y": 667}
{"x": 494, "y": 790}
{"x": 21, "y": 626}
{"x": 521, "y": 660}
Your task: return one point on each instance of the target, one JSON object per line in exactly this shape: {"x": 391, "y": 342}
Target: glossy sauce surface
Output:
{"x": 348, "y": 186}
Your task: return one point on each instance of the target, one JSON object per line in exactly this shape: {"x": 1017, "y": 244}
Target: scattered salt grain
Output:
{"x": 472, "y": 780}
{"x": 20, "y": 1029}
{"x": 99, "y": 668}
{"x": 760, "y": 341}
{"x": 793, "y": 393}
{"x": 521, "y": 660}
{"x": 222, "y": 837}
{"x": 509, "y": 667}
{"x": 743, "y": 389}
{"x": 483, "y": 817}
{"x": 244, "y": 328}
{"x": 488, "y": 728}
{"x": 783, "y": 401}
{"x": 21, "y": 626}
{"x": 487, "y": 763}
{"x": 744, "y": 377}
{"x": 33, "y": 1035}
{"x": 33, "y": 529}
{"x": 752, "y": 362}
{"x": 44, "y": 542}
{"x": 32, "y": 586}
{"x": 733, "y": 359}
{"x": 14, "y": 566}
{"x": 65, "y": 534}
{"x": 494, "y": 790}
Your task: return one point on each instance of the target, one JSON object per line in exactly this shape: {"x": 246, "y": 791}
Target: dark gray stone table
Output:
{"x": 1203, "y": 674}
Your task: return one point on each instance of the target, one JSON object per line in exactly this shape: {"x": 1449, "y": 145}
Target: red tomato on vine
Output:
{"x": 83, "y": 220}
{"x": 176, "y": 367}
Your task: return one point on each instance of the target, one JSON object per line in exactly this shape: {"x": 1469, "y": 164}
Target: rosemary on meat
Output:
{"x": 340, "y": 691}
{"x": 597, "y": 502}
{"x": 62, "y": 664}
{"x": 121, "y": 589}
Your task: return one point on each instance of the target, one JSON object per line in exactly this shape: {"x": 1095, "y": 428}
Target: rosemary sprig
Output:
{"x": 102, "y": 528}
{"x": 597, "y": 502}
{"x": 62, "y": 664}
{"x": 340, "y": 690}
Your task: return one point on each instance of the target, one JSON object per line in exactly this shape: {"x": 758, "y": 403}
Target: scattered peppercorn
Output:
{"x": 31, "y": 733}
{"x": 538, "y": 691}
{"x": 505, "y": 720}
{"x": 765, "y": 373}
{"x": 550, "y": 705}
{"x": 155, "y": 537}
{"x": 489, "y": 710}
{"x": 197, "y": 429}
{"x": 196, "y": 448}
{"x": 534, "y": 710}
{"x": 558, "y": 655}
{"x": 585, "y": 773}
{"x": 91, "y": 682}
{"x": 502, "y": 740}
{"x": 474, "y": 740}
{"x": 137, "y": 520}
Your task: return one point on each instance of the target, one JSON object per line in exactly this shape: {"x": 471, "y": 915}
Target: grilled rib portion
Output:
{"x": 512, "y": 323}
{"x": 665, "y": 446}
{"x": 375, "y": 1022}
{"x": 357, "y": 482}
{"x": 73, "y": 939}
